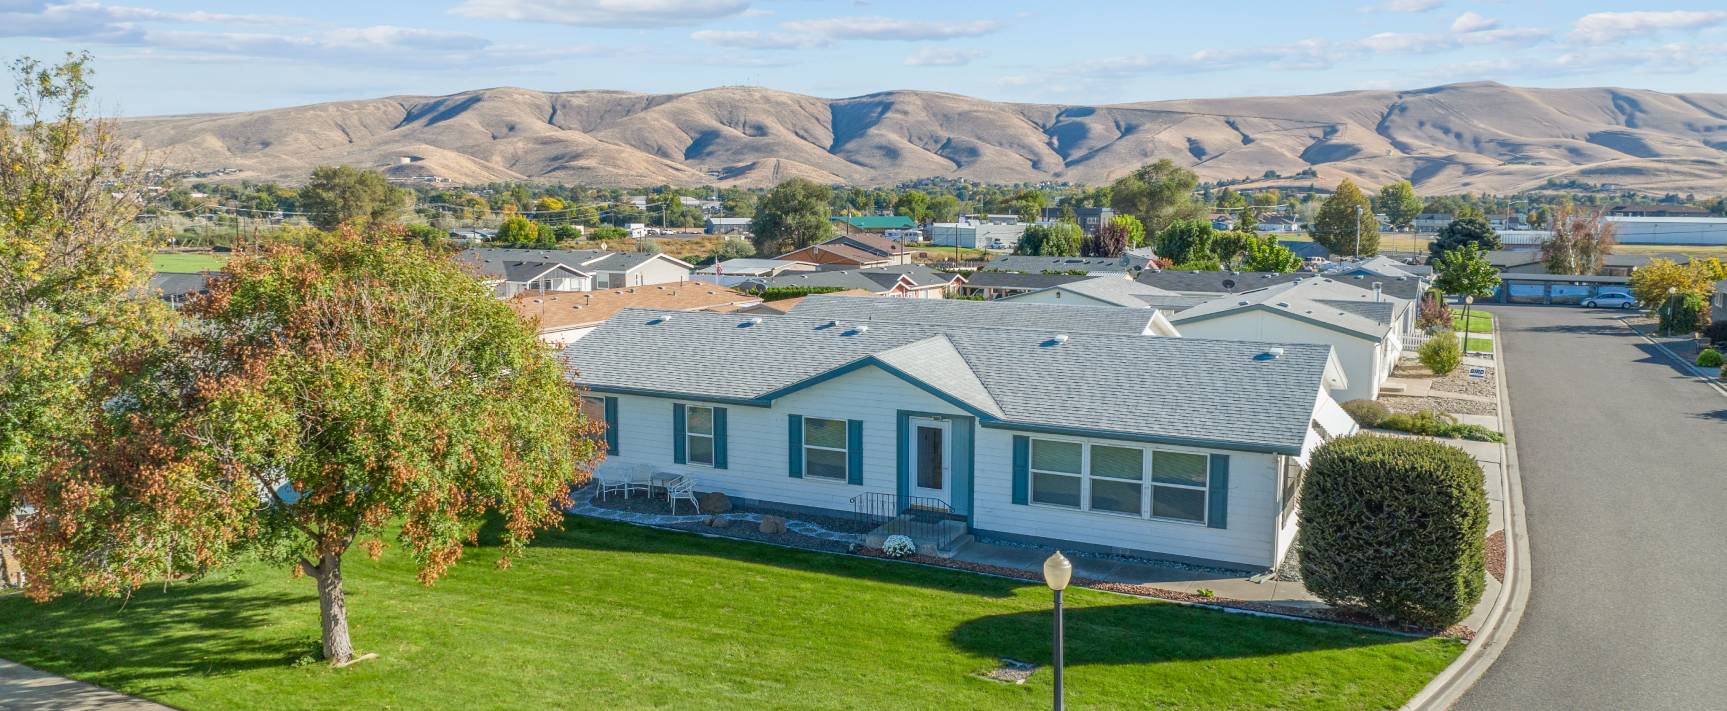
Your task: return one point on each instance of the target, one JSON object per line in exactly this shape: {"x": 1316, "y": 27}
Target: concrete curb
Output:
{"x": 1713, "y": 383}
{"x": 1501, "y": 623}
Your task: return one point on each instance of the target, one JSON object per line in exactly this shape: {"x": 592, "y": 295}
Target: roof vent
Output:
{"x": 1055, "y": 340}
{"x": 1283, "y": 304}
{"x": 1276, "y": 352}
{"x": 1242, "y": 302}
{"x": 664, "y": 318}
{"x": 751, "y": 321}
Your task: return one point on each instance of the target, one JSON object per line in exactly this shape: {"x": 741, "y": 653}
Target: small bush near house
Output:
{"x": 1716, "y": 333}
{"x": 1441, "y": 353}
{"x": 898, "y": 546}
{"x": 1434, "y": 315}
{"x": 1709, "y": 358}
{"x": 1367, "y": 413}
{"x": 1437, "y": 424}
{"x": 1394, "y": 527}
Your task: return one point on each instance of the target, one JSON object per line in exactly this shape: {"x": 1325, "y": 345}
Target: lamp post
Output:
{"x": 1057, "y": 571}
{"x": 1468, "y": 300}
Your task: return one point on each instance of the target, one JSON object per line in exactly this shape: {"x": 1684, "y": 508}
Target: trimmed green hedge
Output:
{"x": 777, "y": 293}
{"x": 1367, "y": 413}
{"x": 1395, "y": 527}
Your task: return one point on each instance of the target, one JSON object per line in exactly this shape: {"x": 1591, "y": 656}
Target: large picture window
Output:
{"x": 699, "y": 434}
{"x": 825, "y": 455}
{"x": 1120, "y": 480}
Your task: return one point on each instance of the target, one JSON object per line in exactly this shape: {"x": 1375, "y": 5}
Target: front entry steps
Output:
{"x": 940, "y": 539}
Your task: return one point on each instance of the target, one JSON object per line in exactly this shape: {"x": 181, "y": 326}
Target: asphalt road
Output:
{"x": 1624, "y": 469}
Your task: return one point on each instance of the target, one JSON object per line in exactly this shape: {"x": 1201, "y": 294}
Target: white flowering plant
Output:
{"x": 897, "y": 546}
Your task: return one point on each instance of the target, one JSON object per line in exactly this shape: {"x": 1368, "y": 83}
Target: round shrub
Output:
{"x": 898, "y": 546}
{"x": 1710, "y": 358}
{"x": 1394, "y": 527}
{"x": 1367, "y": 413}
{"x": 1442, "y": 353}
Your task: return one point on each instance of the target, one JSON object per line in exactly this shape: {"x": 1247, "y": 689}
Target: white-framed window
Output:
{"x": 1120, "y": 480}
{"x": 825, "y": 454}
{"x": 699, "y": 434}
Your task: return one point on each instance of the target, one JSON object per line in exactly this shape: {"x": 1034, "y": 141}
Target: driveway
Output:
{"x": 1624, "y": 469}
{"x": 26, "y": 689}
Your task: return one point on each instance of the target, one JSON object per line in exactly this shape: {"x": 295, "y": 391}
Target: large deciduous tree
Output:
{"x": 1581, "y": 241}
{"x": 1465, "y": 230}
{"x": 1345, "y": 223}
{"x": 1400, "y": 204}
{"x": 1465, "y": 271}
{"x": 1266, "y": 255}
{"x": 338, "y": 195}
{"x": 1062, "y": 239}
{"x": 323, "y": 397}
{"x": 792, "y": 216}
{"x": 1188, "y": 241}
{"x": 71, "y": 269}
{"x": 1158, "y": 195}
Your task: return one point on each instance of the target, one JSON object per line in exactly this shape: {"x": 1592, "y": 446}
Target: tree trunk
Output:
{"x": 333, "y": 609}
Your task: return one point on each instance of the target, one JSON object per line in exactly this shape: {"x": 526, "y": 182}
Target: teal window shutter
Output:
{"x": 719, "y": 438}
{"x": 795, "y": 446}
{"x": 854, "y": 452}
{"x": 611, "y": 425}
{"x": 1218, "y": 514}
{"x": 678, "y": 434}
{"x": 1021, "y": 468}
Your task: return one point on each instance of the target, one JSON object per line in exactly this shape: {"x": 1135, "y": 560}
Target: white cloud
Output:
{"x": 604, "y": 13}
{"x": 1606, "y": 27}
{"x": 96, "y": 22}
{"x": 888, "y": 28}
{"x": 1472, "y": 21}
{"x": 1403, "y": 6}
{"x": 751, "y": 39}
{"x": 942, "y": 57}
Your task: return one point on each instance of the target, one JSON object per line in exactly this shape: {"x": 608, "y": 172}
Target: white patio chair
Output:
{"x": 613, "y": 478}
{"x": 641, "y": 477}
{"x": 682, "y": 488}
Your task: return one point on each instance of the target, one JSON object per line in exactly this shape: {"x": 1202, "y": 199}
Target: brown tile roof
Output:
{"x": 834, "y": 254}
{"x": 557, "y": 310}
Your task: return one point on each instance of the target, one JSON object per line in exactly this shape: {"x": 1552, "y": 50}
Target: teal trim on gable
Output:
{"x": 795, "y": 446}
{"x": 1217, "y": 515}
{"x": 670, "y": 395}
{"x": 678, "y": 439}
{"x": 874, "y": 361}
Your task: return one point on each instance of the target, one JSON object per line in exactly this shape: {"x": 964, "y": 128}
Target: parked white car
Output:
{"x": 1610, "y": 300}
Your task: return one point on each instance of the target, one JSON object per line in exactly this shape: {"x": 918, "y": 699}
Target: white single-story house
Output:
{"x": 1018, "y": 434}
{"x": 736, "y": 271}
{"x": 1117, "y": 290}
{"x": 914, "y": 281}
{"x": 727, "y": 225}
{"x": 1049, "y": 318}
{"x": 609, "y": 270}
{"x": 511, "y": 276}
{"x": 1365, "y": 327}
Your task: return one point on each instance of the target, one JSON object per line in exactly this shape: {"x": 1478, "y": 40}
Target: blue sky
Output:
{"x": 183, "y": 56}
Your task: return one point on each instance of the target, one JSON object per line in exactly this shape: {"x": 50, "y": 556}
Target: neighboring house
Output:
{"x": 726, "y": 225}
{"x": 1516, "y": 261}
{"x": 1116, "y": 290}
{"x": 879, "y": 245}
{"x": 509, "y": 276}
{"x": 1625, "y": 264}
{"x": 1718, "y": 303}
{"x": 1050, "y": 318}
{"x": 1557, "y": 288}
{"x": 737, "y": 271}
{"x": 608, "y": 270}
{"x": 473, "y": 234}
{"x": 854, "y": 224}
{"x": 1431, "y": 221}
{"x": 1656, "y": 211}
{"x": 1365, "y": 328}
{"x": 565, "y": 317}
{"x": 841, "y": 256}
{"x": 1282, "y": 224}
{"x": 1130, "y": 262}
{"x": 1211, "y": 284}
{"x": 1088, "y": 218}
{"x": 991, "y": 284}
{"x": 1306, "y": 250}
{"x": 178, "y": 287}
{"x": 912, "y": 235}
{"x": 1015, "y": 434}
{"x": 1378, "y": 266}
{"x": 1670, "y": 230}
{"x": 910, "y": 280}
{"x": 970, "y": 233}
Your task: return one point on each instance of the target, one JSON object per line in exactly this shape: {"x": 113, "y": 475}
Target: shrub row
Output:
{"x": 1369, "y": 413}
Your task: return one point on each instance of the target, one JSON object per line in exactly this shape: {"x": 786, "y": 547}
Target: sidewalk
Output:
{"x": 26, "y": 689}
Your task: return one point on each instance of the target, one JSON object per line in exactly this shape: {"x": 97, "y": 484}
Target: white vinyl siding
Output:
{"x": 1111, "y": 479}
{"x": 825, "y": 448}
{"x": 1363, "y": 359}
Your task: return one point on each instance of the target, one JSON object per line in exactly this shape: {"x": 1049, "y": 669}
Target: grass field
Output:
{"x": 185, "y": 262}
{"x": 1479, "y": 321}
{"x": 607, "y": 615}
{"x": 1478, "y": 345}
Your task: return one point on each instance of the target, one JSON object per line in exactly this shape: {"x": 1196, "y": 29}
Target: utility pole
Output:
{"x": 1357, "y": 231}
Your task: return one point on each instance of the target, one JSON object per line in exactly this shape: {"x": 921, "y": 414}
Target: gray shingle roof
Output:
{"x": 1228, "y": 394}
{"x": 868, "y": 278}
{"x": 1116, "y": 289}
{"x": 1038, "y": 265}
{"x": 1019, "y": 280}
{"x": 1046, "y": 318}
{"x": 586, "y": 261}
{"x": 1320, "y": 300}
{"x": 1214, "y": 282}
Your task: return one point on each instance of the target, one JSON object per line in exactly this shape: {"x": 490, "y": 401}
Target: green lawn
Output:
{"x": 185, "y": 262}
{"x": 606, "y": 615}
{"x": 1478, "y": 345}
{"x": 1479, "y": 321}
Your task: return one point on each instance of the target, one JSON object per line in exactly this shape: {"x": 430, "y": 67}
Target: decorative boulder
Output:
{"x": 715, "y": 502}
{"x": 773, "y": 524}
{"x": 718, "y": 521}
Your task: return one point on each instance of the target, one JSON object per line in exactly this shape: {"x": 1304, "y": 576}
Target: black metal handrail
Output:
{"x": 917, "y": 517}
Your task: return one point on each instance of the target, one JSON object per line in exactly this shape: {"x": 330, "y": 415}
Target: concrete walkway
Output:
{"x": 25, "y": 689}
{"x": 1234, "y": 586}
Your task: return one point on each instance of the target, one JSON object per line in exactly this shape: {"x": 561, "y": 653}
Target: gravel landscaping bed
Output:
{"x": 1496, "y": 555}
{"x": 750, "y": 532}
{"x": 1460, "y": 382}
{"x": 1442, "y": 404}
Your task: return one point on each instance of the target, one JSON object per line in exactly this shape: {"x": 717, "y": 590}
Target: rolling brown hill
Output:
{"x": 1460, "y": 137}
